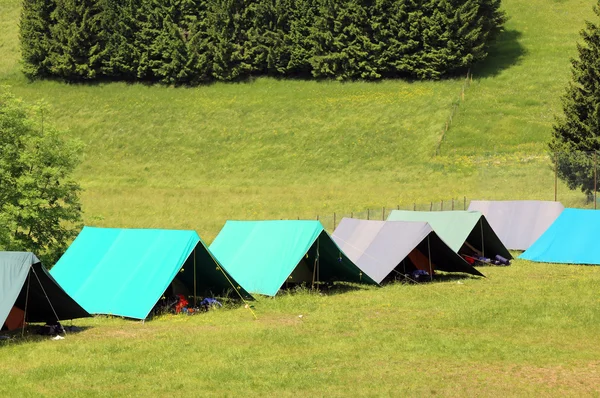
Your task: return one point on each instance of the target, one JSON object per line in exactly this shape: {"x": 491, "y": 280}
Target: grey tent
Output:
{"x": 29, "y": 293}
{"x": 384, "y": 248}
{"x": 518, "y": 223}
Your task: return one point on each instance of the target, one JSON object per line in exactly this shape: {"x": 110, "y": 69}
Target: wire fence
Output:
{"x": 568, "y": 177}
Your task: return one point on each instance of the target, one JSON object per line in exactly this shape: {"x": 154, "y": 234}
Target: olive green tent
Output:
{"x": 461, "y": 230}
{"x": 26, "y": 287}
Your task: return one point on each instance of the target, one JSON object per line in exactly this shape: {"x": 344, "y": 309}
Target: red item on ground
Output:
{"x": 182, "y": 303}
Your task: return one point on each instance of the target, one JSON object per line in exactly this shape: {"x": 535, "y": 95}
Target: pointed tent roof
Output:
{"x": 378, "y": 247}
{"x": 125, "y": 271}
{"x": 457, "y": 227}
{"x": 42, "y": 295}
{"x": 518, "y": 223}
{"x": 261, "y": 255}
{"x": 571, "y": 239}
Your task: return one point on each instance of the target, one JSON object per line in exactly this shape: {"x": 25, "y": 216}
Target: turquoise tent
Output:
{"x": 126, "y": 271}
{"x": 263, "y": 255}
{"x": 571, "y": 239}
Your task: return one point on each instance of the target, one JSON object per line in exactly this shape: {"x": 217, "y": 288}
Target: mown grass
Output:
{"x": 524, "y": 330}
{"x": 193, "y": 158}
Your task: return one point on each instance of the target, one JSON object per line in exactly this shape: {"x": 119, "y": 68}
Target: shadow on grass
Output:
{"x": 31, "y": 334}
{"x": 321, "y": 288}
{"x": 504, "y": 53}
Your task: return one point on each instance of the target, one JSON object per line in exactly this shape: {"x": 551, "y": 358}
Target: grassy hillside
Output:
{"x": 192, "y": 158}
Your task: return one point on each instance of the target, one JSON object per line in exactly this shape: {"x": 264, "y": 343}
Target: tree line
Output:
{"x": 200, "y": 41}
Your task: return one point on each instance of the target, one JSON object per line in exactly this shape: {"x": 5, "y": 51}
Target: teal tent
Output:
{"x": 126, "y": 271}
{"x": 264, "y": 255}
{"x": 459, "y": 229}
{"x": 27, "y": 289}
{"x": 571, "y": 239}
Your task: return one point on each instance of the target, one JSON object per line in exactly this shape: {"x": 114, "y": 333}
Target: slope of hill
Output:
{"x": 192, "y": 158}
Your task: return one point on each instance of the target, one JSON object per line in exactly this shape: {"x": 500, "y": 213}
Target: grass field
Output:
{"x": 193, "y": 158}
{"x": 526, "y": 330}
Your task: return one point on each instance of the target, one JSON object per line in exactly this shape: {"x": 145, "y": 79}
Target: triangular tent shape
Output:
{"x": 125, "y": 271}
{"x": 264, "y": 255}
{"x": 383, "y": 248}
{"x": 28, "y": 292}
{"x": 571, "y": 239}
{"x": 518, "y": 223}
{"x": 459, "y": 229}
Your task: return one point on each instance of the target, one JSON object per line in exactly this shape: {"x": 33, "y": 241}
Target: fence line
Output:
{"x": 455, "y": 105}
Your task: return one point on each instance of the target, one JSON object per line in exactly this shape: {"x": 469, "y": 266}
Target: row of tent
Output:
{"x": 125, "y": 272}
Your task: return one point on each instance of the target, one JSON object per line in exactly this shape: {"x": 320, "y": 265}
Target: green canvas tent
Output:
{"x": 126, "y": 271}
{"x": 263, "y": 255}
{"x": 459, "y": 229}
{"x": 28, "y": 289}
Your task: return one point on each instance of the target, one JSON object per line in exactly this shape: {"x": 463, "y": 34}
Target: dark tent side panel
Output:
{"x": 333, "y": 264}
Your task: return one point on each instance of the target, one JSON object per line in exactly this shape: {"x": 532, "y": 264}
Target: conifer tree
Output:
{"x": 35, "y": 36}
{"x": 576, "y": 133}
{"x": 74, "y": 40}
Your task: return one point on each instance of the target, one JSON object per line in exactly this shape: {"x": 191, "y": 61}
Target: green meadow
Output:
{"x": 194, "y": 157}
{"x": 170, "y": 157}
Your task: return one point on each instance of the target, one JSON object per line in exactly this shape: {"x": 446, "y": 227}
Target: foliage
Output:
{"x": 576, "y": 135}
{"x": 194, "y": 41}
{"x": 39, "y": 201}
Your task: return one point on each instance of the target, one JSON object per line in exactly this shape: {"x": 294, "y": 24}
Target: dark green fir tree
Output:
{"x": 576, "y": 133}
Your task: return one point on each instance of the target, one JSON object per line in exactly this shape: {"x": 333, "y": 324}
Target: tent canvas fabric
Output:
{"x": 125, "y": 271}
{"x": 518, "y": 223}
{"x": 457, "y": 227}
{"x": 263, "y": 255}
{"x": 571, "y": 239}
{"x": 27, "y": 286}
{"x": 379, "y": 247}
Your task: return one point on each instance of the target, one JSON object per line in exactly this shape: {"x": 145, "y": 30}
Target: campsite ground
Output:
{"x": 192, "y": 158}
{"x": 525, "y": 330}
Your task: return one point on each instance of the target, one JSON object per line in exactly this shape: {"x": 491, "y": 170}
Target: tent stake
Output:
{"x": 368, "y": 214}
{"x": 194, "y": 254}
{"x": 595, "y": 174}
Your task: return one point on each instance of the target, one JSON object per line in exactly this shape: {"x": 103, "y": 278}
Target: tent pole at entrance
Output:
{"x": 47, "y": 298}
{"x": 26, "y": 300}
{"x": 318, "y": 260}
{"x": 194, "y": 254}
{"x": 429, "y": 255}
{"x": 482, "y": 243}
